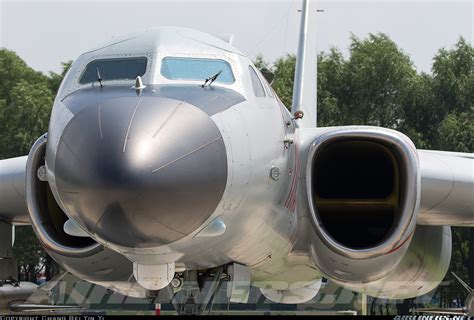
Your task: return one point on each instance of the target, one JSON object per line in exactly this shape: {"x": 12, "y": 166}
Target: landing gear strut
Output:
{"x": 197, "y": 291}
{"x": 193, "y": 292}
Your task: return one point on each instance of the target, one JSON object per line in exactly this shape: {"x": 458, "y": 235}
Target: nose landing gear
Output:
{"x": 198, "y": 291}
{"x": 194, "y": 292}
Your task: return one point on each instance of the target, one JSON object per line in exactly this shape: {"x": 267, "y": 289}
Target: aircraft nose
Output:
{"x": 141, "y": 172}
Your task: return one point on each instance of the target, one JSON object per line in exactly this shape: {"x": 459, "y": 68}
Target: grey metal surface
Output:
{"x": 447, "y": 189}
{"x": 12, "y": 191}
{"x": 421, "y": 270}
{"x": 107, "y": 268}
{"x": 211, "y": 100}
{"x": 141, "y": 171}
{"x": 470, "y": 304}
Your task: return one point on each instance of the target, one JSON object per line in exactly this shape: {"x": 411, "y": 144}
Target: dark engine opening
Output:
{"x": 54, "y": 218}
{"x": 356, "y": 191}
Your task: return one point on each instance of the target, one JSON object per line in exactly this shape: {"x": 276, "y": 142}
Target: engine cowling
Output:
{"x": 82, "y": 256}
{"x": 363, "y": 191}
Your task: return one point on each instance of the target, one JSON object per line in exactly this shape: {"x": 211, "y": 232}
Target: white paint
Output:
{"x": 73, "y": 229}
{"x": 153, "y": 277}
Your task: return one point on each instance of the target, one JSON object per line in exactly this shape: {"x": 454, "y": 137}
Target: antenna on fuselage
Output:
{"x": 99, "y": 77}
{"x": 305, "y": 82}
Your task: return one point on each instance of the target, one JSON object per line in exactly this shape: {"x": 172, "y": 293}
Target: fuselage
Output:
{"x": 174, "y": 172}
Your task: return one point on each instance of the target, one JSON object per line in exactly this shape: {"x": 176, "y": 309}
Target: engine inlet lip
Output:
{"x": 34, "y": 161}
{"x": 406, "y": 223}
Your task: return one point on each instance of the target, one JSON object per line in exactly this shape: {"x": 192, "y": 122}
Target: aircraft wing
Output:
{"x": 447, "y": 188}
{"x": 13, "y": 207}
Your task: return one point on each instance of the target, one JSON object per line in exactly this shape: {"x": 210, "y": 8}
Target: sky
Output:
{"x": 44, "y": 33}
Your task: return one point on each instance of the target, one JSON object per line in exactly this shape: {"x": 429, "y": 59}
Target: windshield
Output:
{"x": 114, "y": 69}
{"x": 196, "y": 69}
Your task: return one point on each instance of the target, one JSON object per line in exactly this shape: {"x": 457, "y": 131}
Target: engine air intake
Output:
{"x": 356, "y": 186}
{"x": 362, "y": 185}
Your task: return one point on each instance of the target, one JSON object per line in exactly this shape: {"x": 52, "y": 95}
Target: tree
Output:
{"x": 284, "y": 71}
{"x": 55, "y": 79}
{"x": 14, "y": 70}
{"x": 456, "y": 132}
{"x": 376, "y": 79}
{"x": 25, "y": 118}
{"x": 330, "y": 87}
{"x": 420, "y": 116}
{"x": 369, "y": 88}
{"x": 26, "y": 99}
{"x": 25, "y": 105}
{"x": 264, "y": 68}
{"x": 453, "y": 78}
{"x": 29, "y": 254}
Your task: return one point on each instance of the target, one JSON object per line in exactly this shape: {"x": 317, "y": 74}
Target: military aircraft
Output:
{"x": 170, "y": 165}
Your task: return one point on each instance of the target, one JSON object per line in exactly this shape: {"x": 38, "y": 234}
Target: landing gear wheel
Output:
{"x": 197, "y": 292}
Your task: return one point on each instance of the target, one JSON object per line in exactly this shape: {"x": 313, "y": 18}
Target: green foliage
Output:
{"x": 376, "y": 79}
{"x": 453, "y": 78}
{"x": 420, "y": 112}
{"x": 264, "y": 68}
{"x": 26, "y": 99}
{"x": 25, "y": 105}
{"x": 56, "y": 79}
{"x": 331, "y": 87}
{"x": 29, "y": 253}
{"x": 25, "y": 118}
{"x": 284, "y": 71}
{"x": 453, "y": 82}
{"x": 456, "y": 132}
{"x": 14, "y": 70}
{"x": 378, "y": 85}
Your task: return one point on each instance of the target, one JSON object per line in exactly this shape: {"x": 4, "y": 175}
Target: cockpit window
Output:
{"x": 266, "y": 85}
{"x": 196, "y": 69}
{"x": 256, "y": 84}
{"x": 114, "y": 69}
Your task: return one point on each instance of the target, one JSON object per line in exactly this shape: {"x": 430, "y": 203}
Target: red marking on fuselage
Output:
{"x": 290, "y": 202}
{"x": 293, "y": 184}
{"x": 401, "y": 244}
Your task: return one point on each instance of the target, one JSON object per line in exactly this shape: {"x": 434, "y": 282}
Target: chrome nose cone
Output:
{"x": 141, "y": 171}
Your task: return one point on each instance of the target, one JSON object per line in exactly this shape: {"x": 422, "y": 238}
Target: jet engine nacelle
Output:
{"x": 363, "y": 192}
{"x": 469, "y": 304}
{"x": 82, "y": 256}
